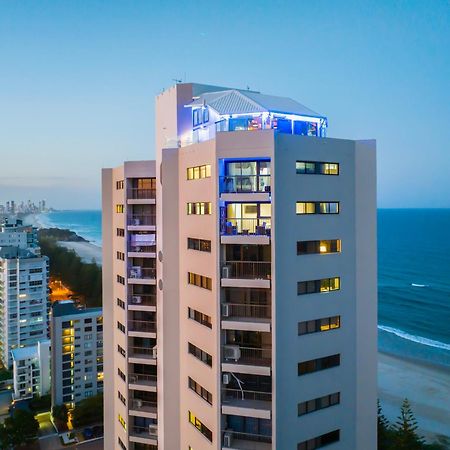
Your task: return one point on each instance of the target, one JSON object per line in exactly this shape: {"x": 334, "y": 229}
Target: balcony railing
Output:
{"x": 143, "y": 405}
{"x": 142, "y": 273}
{"x": 142, "y": 325}
{"x": 145, "y": 432}
{"x": 142, "y": 300}
{"x": 240, "y": 354}
{"x": 245, "y": 183}
{"x": 142, "y": 219}
{"x": 142, "y": 352}
{"x": 139, "y": 378}
{"x": 256, "y": 270}
{"x": 238, "y": 394}
{"x": 136, "y": 248}
{"x": 256, "y": 226}
{"x": 238, "y": 436}
{"x": 142, "y": 194}
{"x": 246, "y": 310}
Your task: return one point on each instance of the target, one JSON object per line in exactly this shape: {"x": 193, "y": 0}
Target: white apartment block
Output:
{"x": 31, "y": 370}
{"x": 265, "y": 282}
{"x": 76, "y": 353}
{"x": 14, "y": 234}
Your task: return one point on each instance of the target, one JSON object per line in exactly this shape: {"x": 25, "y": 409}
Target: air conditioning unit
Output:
{"x": 226, "y": 271}
{"x": 231, "y": 352}
{"x": 136, "y": 221}
{"x": 227, "y": 439}
{"x": 153, "y": 429}
{"x": 136, "y": 299}
{"x": 225, "y": 310}
{"x": 226, "y": 378}
{"x": 136, "y": 272}
{"x": 154, "y": 351}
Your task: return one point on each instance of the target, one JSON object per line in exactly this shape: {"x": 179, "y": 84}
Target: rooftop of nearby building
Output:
{"x": 11, "y": 252}
{"x": 69, "y": 308}
{"x": 24, "y": 353}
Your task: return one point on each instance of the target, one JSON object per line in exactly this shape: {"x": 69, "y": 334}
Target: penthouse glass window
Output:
{"x": 317, "y": 208}
{"x": 317, "y": 168}
{"x": 200, "y": 354}
{"x": 316, "y": 365}
{"x": 200, "y": 280}
{"x": 198, "y": 208}
{"x": 320, "y": 441}
{"x": 200, "y": 426}
{"x": 199, "y": 317}
{"x": 318, "y": 325}
{"x": 202, "y": 245}
{"x": 321, "y": 247}
{"x": 318, "y": 286}
{"x": 199, "y": 172}
{"x": 199, "y": 390}
{"x": 318, "y": 403}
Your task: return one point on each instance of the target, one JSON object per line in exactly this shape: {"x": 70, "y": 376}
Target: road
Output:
{"x": 54, "y": 443}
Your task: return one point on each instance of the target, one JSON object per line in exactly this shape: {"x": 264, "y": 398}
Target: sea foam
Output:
{"x": 413, "y": 338}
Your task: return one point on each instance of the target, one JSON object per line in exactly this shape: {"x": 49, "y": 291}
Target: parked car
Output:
{"x": 68, "y": 438}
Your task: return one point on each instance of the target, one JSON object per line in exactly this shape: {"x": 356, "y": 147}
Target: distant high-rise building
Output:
{"x": 252, "y": 324}
{"x": 76, "y": 353}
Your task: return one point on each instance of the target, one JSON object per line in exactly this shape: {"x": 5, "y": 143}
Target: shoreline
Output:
{"x": 425, "y": 385}
{"x": 87, "y": 251}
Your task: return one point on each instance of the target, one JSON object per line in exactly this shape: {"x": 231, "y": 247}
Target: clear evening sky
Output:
{"x": 78, "y": 81}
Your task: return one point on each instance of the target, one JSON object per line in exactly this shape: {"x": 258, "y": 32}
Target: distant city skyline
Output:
{"x": 77, "y": 83}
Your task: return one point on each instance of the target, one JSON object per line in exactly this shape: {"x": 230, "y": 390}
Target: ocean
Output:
{"x": 413, "y": 277}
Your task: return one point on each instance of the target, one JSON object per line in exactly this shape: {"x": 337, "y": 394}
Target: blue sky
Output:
{"x": 78, "y": 81}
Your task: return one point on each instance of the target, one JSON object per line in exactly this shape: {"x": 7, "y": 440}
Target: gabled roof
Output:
{"x": 234, "y": 101}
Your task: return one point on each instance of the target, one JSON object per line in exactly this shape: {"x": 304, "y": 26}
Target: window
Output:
{"x": 320, "y": 441}
{"x": 120, "y": 279}
{"x": 121, "y": 374}
{"x": 122, "y": 422}
{"x": 317, "y": 208}
{"x": 316, "y": 365}
{"x": 121, "y": 397}
{"x": 121, "y": 350}
{"x": 120, "y": 232}
{"x": 202, "y": 245}
{"x": 317, "y": 168}
{"x": 321, "y": 247}
{"x": 318, "y": 403}
{"x": 199, "y": 317}
{"x": 315, "y": 286}
{"x": 200, "y": 354}
{"x": 120, "y": 184}
{"x": 199, "y": 390}
{"x": 121, "y": 327}
{"x": 121, "y": 444}
{"x": 200, "y": 281}
{"x": 120, "y": 256}
{"x": 120, "y": 208}
{"x": 318, "y": 325}
{"x": 200, "y": 426}
{"x": 198, "y": 208}
{"x": 120, "y": 303}
{"x": 198, "y": 172}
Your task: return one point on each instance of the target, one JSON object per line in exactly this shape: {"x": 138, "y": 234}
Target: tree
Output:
{"x": 384, "y": 431}
{"x": 21, "y": 427}
{"x": 88, "y": 411}
{"x": 60, "y": 413}
{"x": 406, "y": 437}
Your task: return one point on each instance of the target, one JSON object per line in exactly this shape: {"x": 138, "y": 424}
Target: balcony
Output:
{"x": 138, "y": 196}
{"x": 141, "y": 328}
{"x": 144, "y": 435}
{"x": 141, "y": 251}
{"x": 248, "y": 360}
{"x": 252, "y": 274}
{"x": 233, "y": 440}
{"x": 142, "y": 222}
{"x": 142, "y": 302}
{"x": 142, "y": 355}
{"x": 245, "y": 187}
{"x": 248, "y": 317}
{"x": 245, "y": 230}
{"x": 142, "y": 275}
{"x": 142, "y": 382}
{"x": 245, "y": 403}
{"x": 143, "y": 408}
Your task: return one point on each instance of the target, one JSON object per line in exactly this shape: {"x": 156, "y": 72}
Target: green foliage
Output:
{"x": 406, "y": 437}
{"x": 40, "y": 404}
{"x": 82, "y": 278}
{"x": 59, "y": 234}
{"x": 60, "y": 413}
{"x": 88, "y": 411}
{"x": 22, "y": 427}
{"x": 5, "y": 375}
{"x": 385, "y": 432}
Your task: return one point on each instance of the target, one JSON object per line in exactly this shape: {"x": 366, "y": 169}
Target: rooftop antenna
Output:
{"x": 177, "y": 80}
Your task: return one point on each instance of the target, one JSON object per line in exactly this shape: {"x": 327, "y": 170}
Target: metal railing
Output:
{"x": 142, "y": 352}
{"x": 142, "y": 273}
{"x": 142, "y": 219}
{"x": 143, "y": 405}
{"x": 238, "y": 394}
{"x": 142, "y": 248}
{"x": 247, "y": 437}
{"x": 141, "y": 193}
{"x": 142, "y": 325}
{"x": 246, "y": 310}
{"x": 139, "y": 378}
{"x": 142, "y": 300}
{"x": 252, "y": 356}
{"x": 143, "y": 432}
{"x": 257, "y": 270}
{"x": 245, "y": 183}
{"x": 245, "y": 226}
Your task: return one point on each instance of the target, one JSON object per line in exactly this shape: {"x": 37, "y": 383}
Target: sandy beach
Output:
{"x": 427, "y": 387}
{"x": 85, "y": 250}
